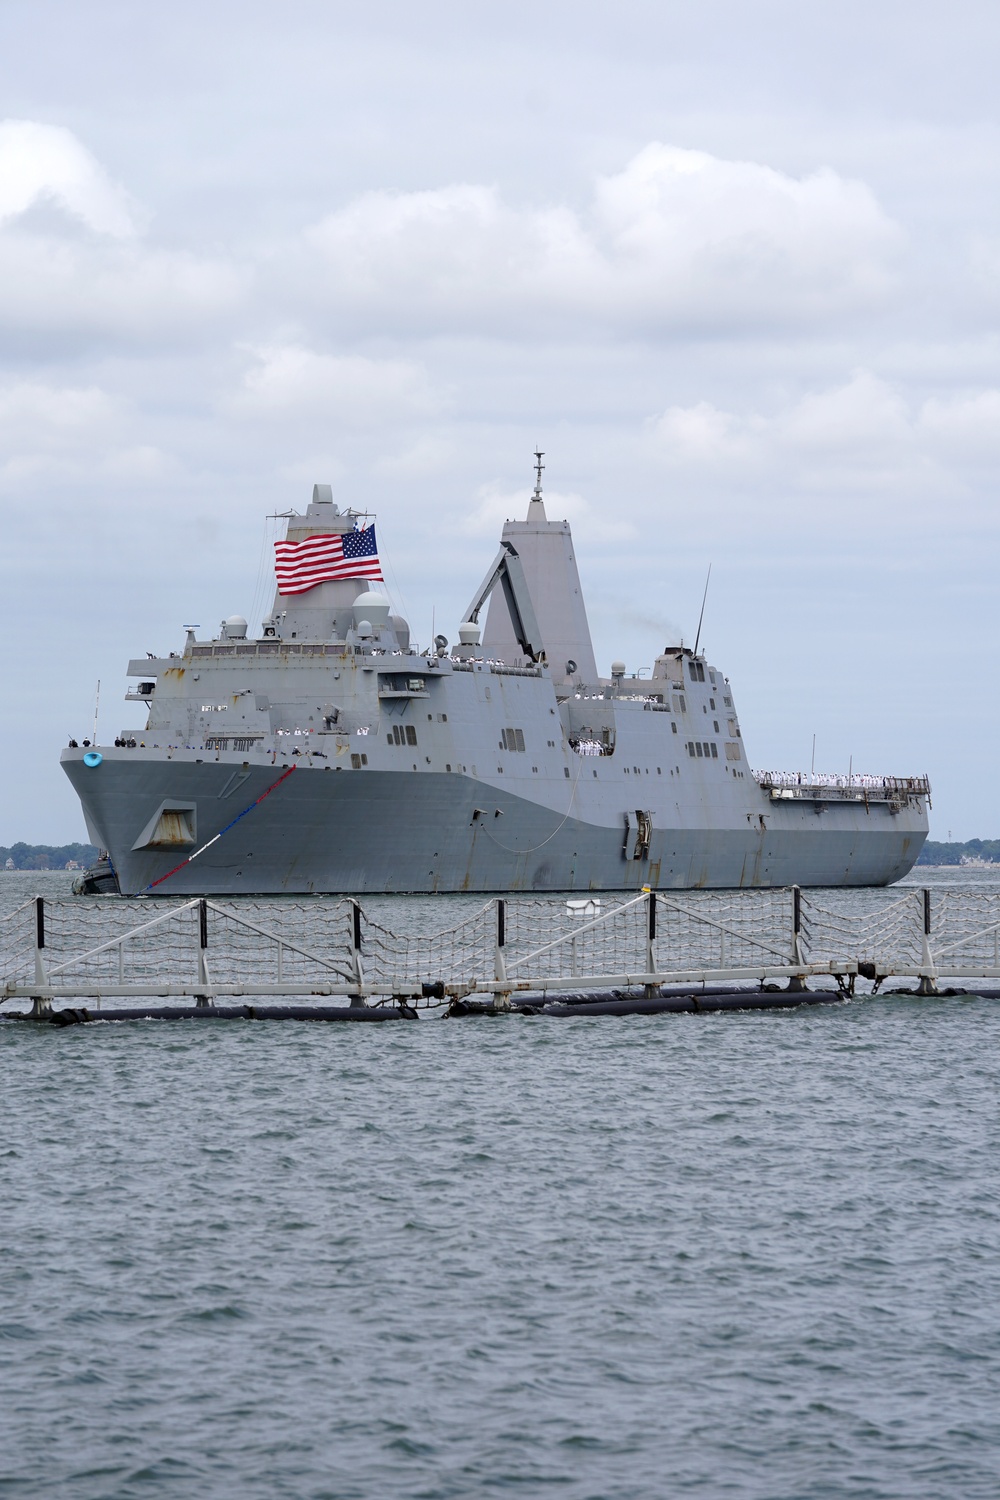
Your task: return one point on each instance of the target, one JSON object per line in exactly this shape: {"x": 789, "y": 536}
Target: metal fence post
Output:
{"x": 359, "y": 973}
{"x": 797, "y": 981}
{"x": 204, "y": 997}
{"x": 651, "y": 961}
{"x": 501, "y": 998}
{"x": 928, "y": 971}
{"x": 40, "y": 1005}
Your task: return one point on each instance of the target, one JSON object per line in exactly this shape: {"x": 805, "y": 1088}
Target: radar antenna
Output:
{"x": 539, "y": 466}
{"x": 701, "y": 617}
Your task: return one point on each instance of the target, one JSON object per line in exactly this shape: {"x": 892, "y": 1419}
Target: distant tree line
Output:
{"x": 46, "y": 856}
{"x": 952, "y": 854}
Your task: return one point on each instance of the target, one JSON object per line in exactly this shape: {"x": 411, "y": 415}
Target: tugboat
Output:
{"x": 98, "y": 879}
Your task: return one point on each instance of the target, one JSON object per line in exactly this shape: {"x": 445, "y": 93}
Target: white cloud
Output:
{"x": 73, "y": 434}
{"x": 289, "y": 379}
{"x": 45, "y": 162}
{"x": 123, "y": 292}
{"x": 855, "y": 439}
{"x": 677, "y": 239}
{"x": 495, "y": 503}
{"x": 966, "y": 426}
{"x": 430, "y": 454}
{"x": 74, "y": 260}
{"x": 33, "y": 412}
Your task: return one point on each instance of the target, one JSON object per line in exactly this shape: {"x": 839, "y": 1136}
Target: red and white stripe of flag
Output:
{"x": 302, "y": 565}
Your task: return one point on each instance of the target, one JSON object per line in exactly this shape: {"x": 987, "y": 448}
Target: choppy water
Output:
{"x": 748, "y": 1255}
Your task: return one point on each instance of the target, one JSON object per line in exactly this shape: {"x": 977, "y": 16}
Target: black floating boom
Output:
{"x": 79, "y": 1015}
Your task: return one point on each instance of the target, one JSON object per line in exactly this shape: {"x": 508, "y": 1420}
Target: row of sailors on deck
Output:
{"x": 824, "y": 778}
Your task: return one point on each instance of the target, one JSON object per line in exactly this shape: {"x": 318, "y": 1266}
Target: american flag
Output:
{"x": 301, "y": 565}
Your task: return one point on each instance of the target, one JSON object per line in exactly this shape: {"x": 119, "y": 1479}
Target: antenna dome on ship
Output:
{"x": 236, "y": 627}
{"x": 468, "y": 633}
{"x": 372, "y": 607}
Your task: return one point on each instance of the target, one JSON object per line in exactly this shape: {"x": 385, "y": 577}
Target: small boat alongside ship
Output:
{"x": 331, "y": 754}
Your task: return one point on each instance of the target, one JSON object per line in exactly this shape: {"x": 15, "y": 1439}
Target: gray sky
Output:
{"x": 734, "y": 266}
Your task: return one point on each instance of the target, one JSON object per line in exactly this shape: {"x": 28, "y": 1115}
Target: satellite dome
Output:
{"x": 372, "y": 607}
{"x": 618, "y": 669}
{"x": 468, "y": 633}
{"x": 236, "y": 627}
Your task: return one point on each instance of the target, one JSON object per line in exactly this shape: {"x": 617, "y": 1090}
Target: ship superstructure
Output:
{"x": 329, "y": 754}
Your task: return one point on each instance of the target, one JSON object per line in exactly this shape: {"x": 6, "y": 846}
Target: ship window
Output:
{"x": 566, "y": 772}
{"x": 697, "y": 749}
{"x": 447, "y": 768}
{"x": 728, "y": 702}
{"x": 712, "y": 704}
{"x": 715, "y": 725}
{"x": 674, "y": 728}
{"x": 356, "y": 762}
{"x": 690, "y": 747}
{"x": 715, "y": 751}
{"x": 411, "y": 735}
{"x": 442, "y": 718}
{"x": 697, "y": 671}
{"x": 707, "y": 749}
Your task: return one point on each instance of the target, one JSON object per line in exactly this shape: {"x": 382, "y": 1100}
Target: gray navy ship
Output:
{"x": 331, "y": 755}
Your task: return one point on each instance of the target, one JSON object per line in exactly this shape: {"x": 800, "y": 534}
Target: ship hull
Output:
{"x": 348, "y": 832}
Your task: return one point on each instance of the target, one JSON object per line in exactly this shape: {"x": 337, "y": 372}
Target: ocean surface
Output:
{"x": 748, "y": 1255}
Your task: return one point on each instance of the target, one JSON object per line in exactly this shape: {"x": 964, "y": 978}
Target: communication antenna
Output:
{"x": 539, "y": 466}
{"x": 702, "y": 615}
{"x": 812, "y": 769}
{"x": 97, "y": 704}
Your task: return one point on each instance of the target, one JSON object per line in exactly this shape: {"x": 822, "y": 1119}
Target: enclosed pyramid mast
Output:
{"x": 545, "y": 549}
{"x": 325, "y": 609}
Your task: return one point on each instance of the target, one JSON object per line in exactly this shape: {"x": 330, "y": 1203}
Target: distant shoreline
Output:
{"x": 978, "y": 852}
{"x": 30, "y": 858}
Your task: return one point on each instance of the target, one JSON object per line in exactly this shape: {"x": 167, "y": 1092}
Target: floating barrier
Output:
{"x": 657, "y": 952}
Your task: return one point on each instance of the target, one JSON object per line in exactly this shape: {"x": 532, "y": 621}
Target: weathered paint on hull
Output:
{"x": 379, "y": 831}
